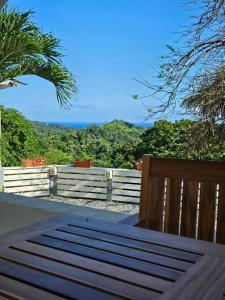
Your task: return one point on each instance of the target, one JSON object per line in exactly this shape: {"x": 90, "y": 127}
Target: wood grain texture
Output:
{"x": 127, "y": 173}
{"x": 127, "y": 186}
{"x": 17, "y": 290}
{"x": 82, "y": 188}
{"x": 107, "y": 257}
{"x": 28, "y": 188}
{"x": 205, "y": 280}
{"x": 49, "y": 282}
{"x": 125, "y": 199}
{"x": 155, "y": 204}
{"x": 19, "y": 170}
{"x": 207, "y": 211}
{"x": 95, "y": 171}
{"x": 189, "y": 208}
{"x": 182, "y": 214}
{"x": 71, "y": 236}
{"x": 135, "y": 180}
{"x": 80, "y": 258}
{"x": 145, "y": 185}
{"x": 76, "y": 194}
{"x": 77, "y": 176}
{"x": 173, "y": 203}
{"x": 122, "y": 274}
{"x": 137, "y": 242}
{"x": 19, "y": 183}
{"x": 220, "y": 235}
{"x": 72, "y": 182}
{"x": 79, "y": 275}
{"x": 26, "y": 176}
{"x": 188, "y": 169}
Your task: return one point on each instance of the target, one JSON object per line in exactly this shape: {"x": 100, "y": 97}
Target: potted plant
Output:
{"x": 138, "y": 165}
{"x": 34, "y": 162}
{"x": 83, "y": 163}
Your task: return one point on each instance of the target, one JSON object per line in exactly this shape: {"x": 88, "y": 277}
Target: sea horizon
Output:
{"x": 82, "y": 125}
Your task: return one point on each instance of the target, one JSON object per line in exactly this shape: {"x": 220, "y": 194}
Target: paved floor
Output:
{"x": 19, "y": 211}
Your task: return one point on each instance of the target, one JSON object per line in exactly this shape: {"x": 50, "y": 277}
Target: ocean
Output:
{"x": 81, "y": 125}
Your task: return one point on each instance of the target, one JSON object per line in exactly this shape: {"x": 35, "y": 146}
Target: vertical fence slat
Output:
{"x": 172, "y": 211}
{"x": 189, "y": 208}
{"x": 156, "y": 204}
{"x": 220, "y": 235}
{"x": 207, "y": 211}
{"x": 145, "y": 187}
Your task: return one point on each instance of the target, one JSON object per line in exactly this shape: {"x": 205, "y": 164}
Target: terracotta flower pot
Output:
{"x": 83, "y": 163}
{"x": 34, "y": 162}
{"x": 27, "y": 163}
{"x": 138, "y": 166}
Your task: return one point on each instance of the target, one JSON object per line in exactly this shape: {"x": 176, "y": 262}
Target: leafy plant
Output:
{"x": 26, "y": 50}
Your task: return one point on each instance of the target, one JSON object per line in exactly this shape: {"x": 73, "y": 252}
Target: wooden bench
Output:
{"x": 183, "y": 197}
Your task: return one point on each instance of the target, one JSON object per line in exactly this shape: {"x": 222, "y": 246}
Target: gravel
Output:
{"x": 119, "y": 207}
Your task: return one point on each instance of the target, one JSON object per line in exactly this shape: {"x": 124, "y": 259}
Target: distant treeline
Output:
{"x": 116, "y": 144}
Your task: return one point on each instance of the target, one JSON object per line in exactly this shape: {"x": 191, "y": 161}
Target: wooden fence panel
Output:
{"x": 173, "y": 205}
{"x": 87, "y": 183}
{"x": 207, "y": 206}
{"x": 84, "y": 183}
{"x": 126, "y": 185}
{"x": 189, "y": 208}
{"x": 155, "y": 206}
{"x": 220, "y": 235}
{"x": 31, "y": 182}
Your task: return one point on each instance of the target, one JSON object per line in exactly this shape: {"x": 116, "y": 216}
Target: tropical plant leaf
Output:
{"x": 26, "y": 50}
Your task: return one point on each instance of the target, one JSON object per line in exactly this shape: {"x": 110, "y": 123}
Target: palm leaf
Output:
{"x": 25, "y": 50}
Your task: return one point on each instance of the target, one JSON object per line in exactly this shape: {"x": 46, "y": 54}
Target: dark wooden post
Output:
{"x": 145, "y": 186}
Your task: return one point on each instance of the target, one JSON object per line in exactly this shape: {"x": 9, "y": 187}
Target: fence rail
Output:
{"x": 32, "y": 182}
{"x": 84, "y": 183}
{"x": 126, "y": 186}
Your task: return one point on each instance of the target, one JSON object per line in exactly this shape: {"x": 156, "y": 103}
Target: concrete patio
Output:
{"x": 18, "y": 211}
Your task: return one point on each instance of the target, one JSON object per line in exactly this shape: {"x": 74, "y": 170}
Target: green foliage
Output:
{"x": 18, "y": 138}
{"x": 167, "y": 139}
{"x": 117, "y": 144}
{"x": 108, "y": 145}
{"x": 54, "y": 157}
{"x": 26, "y": 50}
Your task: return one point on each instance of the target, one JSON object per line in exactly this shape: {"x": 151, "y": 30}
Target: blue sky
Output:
{"x": 106, "y": 44}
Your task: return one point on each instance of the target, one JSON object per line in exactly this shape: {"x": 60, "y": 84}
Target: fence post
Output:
{"x": 52, "y": 171}
{"x": 109, "y": 184}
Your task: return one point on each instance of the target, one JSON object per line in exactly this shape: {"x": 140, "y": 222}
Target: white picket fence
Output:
{"x": 84, "y": 183}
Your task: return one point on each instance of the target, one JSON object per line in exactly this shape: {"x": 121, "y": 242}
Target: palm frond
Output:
{"x": 25, "y": 49}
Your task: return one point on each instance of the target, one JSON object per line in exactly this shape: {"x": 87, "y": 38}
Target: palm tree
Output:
{"x": 26, "y": 50}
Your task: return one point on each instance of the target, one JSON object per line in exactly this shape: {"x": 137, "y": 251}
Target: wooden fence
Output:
{"x": 32, "y": 182}
{"x": 84, "y": 183}
{"x": 126, "y": 185}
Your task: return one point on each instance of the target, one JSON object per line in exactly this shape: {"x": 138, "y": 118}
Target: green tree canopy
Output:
{"x": 18, "y": 138}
